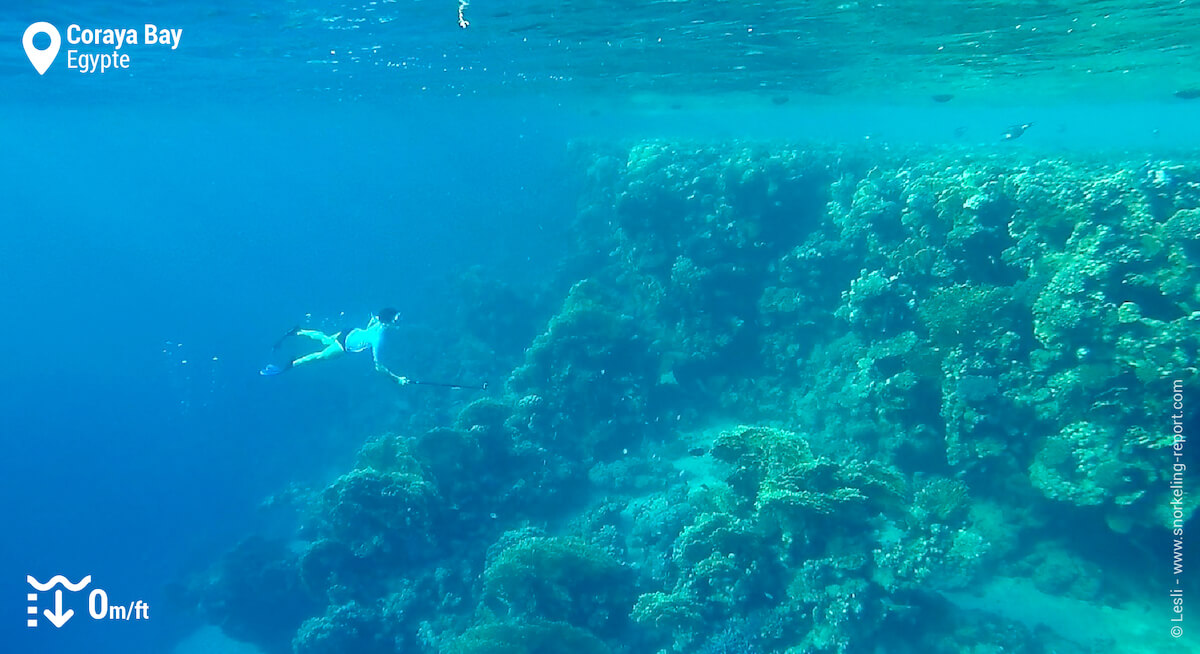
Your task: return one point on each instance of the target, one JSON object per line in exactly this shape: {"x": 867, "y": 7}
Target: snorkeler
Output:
{"x": 358, "y": 339}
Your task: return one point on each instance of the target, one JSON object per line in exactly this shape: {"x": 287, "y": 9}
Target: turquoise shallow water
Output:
{"x": 998, "y": 50}
{"x": 825, "y": 327}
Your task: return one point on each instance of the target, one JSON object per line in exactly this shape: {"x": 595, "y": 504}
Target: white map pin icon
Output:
{"x": 41, "y": 59}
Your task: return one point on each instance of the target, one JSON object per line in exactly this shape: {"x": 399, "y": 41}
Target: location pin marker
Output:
{"x": 41, "y": 59}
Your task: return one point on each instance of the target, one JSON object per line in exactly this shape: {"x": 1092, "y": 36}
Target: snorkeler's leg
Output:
{"x": 332, "y": 348}
{"x": 330, "y": 351}
{"x": 318, "y": 336}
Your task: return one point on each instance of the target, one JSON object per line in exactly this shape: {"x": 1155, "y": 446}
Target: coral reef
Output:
{"x": 346, "y": 628}
{"x": 255, "y": 594}
{"x": 525, "y": 638}
{"x": 795, "y": 400}
{"x": 558, "y": 580}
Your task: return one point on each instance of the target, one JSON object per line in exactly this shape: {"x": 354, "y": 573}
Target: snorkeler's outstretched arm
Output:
{"x": 403, "y": 381}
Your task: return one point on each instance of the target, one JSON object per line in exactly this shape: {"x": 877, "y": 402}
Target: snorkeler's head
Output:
{"x": 388, "y": 316}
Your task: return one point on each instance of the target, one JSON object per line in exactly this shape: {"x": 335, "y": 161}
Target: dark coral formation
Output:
{"x": 794, "y": 400}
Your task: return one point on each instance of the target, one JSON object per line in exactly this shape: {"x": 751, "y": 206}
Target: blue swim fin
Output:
{"x": 271, "y": 370}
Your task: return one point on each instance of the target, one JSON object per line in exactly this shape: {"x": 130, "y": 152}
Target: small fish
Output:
{"x": 1016, "y": 131}
{"x": 697, "y": 451}
{"x": 942, "y": 97}
{"x": 1188, "y": 94}
{"x": 780, "y": 99}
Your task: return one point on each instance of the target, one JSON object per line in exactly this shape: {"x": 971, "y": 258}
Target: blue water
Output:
{"x": 159, "y": 230}
{"x": 138, "y": 238}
